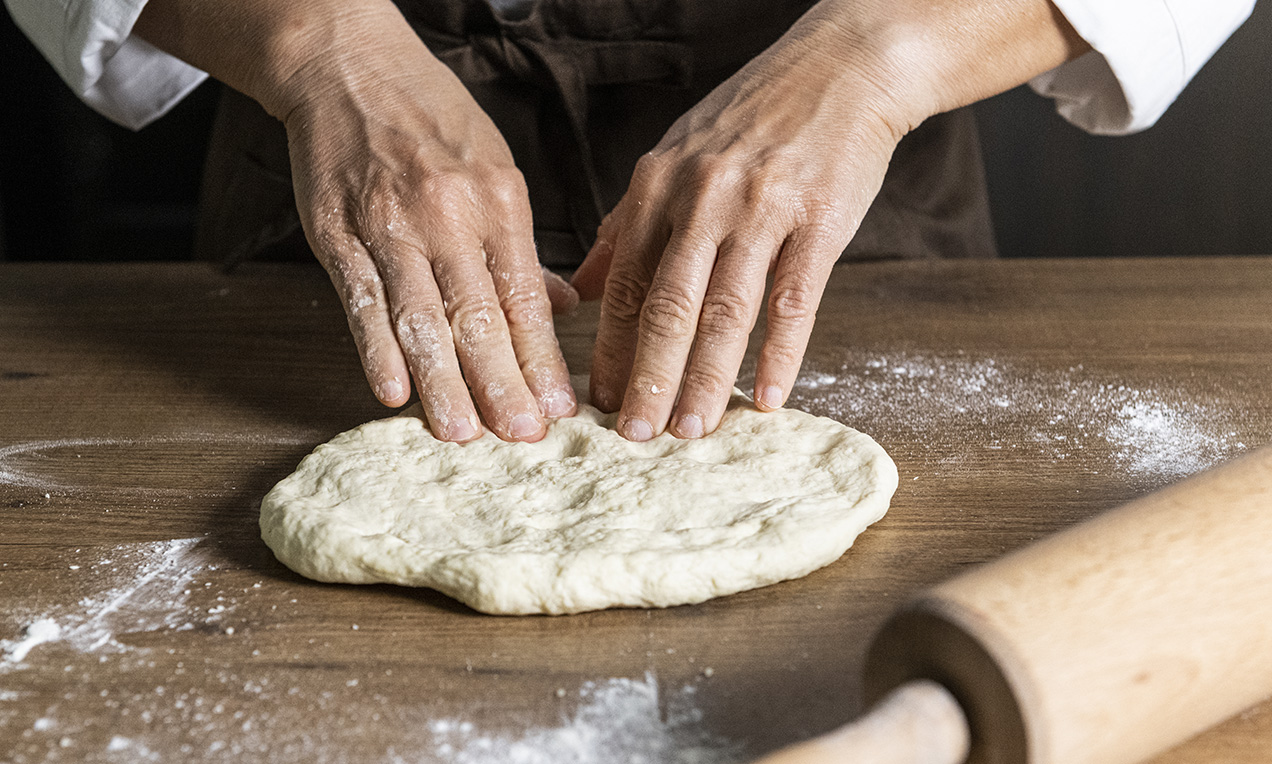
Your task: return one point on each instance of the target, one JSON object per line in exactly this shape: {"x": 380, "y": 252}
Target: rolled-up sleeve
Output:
{"x": 91, "y": 45}
{"x": 1143, "y": 54}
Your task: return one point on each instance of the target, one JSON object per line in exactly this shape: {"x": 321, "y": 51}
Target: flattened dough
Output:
{"x": 582, "y": 520}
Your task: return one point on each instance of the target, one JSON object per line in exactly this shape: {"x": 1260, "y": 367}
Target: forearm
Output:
{"x": 936, "y": 55}
{"x": 275, "y": 51}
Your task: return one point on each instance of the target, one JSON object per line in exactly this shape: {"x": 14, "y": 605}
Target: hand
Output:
{"x": 410, "y": 199}
{"x": 771, "y": 174}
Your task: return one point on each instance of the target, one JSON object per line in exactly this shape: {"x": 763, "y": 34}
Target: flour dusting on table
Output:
{"x": 618, "y": 721}
{"x": 137, "y": 588}
{"x": 1152, "y": 434}
{"x": 130, "y": 697}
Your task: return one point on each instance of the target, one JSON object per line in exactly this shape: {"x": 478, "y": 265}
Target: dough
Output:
{"x": 584, "y": 519}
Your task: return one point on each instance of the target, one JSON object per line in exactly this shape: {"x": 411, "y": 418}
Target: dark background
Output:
{"x": 73, "y": 186}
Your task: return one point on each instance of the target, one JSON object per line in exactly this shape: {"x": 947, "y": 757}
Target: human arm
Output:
{"x": 408, "y": 196}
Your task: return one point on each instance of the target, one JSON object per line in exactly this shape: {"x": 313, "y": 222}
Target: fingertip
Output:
{"x": 559, "y": 403}
{"x": 635, "y": 429}
{"x": 462, "y": 430}
{"x": 688, "y": 427}
{"x": 526, "y": 428}
{"x": 392, "y": 393}
{"x": 769, "y": 397}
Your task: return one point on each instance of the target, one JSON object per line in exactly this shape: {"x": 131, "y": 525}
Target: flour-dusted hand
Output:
{"x": 410, "y": 198}
{"x": 772, "y": 173}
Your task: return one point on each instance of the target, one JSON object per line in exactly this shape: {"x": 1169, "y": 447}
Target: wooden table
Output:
{"x": 145, "y": 409}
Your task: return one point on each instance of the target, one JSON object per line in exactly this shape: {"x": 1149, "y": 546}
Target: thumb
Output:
{"x": 562, "y": 296}
{"x": 589, "y": 279}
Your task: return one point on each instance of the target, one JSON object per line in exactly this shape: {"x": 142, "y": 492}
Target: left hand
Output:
{"x": 771, "y": 173}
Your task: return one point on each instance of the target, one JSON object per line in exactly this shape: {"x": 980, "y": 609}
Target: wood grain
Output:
{"x": 142, "y": 404}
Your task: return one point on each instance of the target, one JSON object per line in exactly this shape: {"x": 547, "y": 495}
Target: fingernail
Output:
{"x": 523, "y": 426}
{"x": 689, "y": 426}
{"x": 771, "y": 397}
{"x": 638, "y": 430}
{"x": 391, "y": 390}
{"x": 558, "y": 404}
{"x": 462, "y": 429}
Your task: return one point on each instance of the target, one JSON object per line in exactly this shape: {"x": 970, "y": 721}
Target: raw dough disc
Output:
{"x": 583, "y": 519}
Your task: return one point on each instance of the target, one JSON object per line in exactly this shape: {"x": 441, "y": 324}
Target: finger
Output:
{"x": 803, "y": 266}
{"x": 636, "y": 253}
{"x": 668, "y": 322}
{"x": 729, "y": 311}
{"x": 423, "y": 332}
{"x": 564, "y": 298}
{"x": 483, "y": 342}
{"x": 366, "y": 304}
{"x": 523, "y": 298}
{"x": 590, "y": 277}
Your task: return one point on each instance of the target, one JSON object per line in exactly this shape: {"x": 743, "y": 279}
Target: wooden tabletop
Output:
{"x": 145, "y": 409}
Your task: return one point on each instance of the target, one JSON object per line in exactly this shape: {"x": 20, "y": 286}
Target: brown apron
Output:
{"x": 581, "y": 89}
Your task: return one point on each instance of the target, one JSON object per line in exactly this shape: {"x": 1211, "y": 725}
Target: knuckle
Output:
{"x": 508, "y": 187}
{"x": 725, "y": 314}
{"x": 447, "y": 188}
{"x": 472, "y": 321}
{"x": 331, "y": 245}
{"x": 418, "y": 334}
{"x": 783, "y": 352}
{"x": 708, "y": 382}
{"x": 362, "y": 290}
{"x": 648, "y": 166}
{"x": 710, "y": 167}
{"x": 624, "y": 296}
{"x": 712, "y": 174}
{"x": 644, "y": 383}
{"x": 668, "y": 312}
{"x": 791, "y": 303}
{"x": 769, "y": 197}
{"x": 825, "y": 223}
{"x": 525, "y": 309}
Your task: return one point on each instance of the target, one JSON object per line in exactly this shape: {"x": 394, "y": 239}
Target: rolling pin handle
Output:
{"x": 920, "y": 722}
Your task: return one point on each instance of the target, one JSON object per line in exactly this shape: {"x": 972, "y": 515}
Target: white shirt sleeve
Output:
{"x": 1144, "y": 53}
{"x": 90, "y": 44}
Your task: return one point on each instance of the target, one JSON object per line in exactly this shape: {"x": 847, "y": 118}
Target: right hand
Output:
{"x": 410, "y": 199}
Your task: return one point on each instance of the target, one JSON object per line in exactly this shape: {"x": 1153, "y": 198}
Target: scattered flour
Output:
{"x": 201, "y": 709}
{"x": 39, "y": 632}
{"x": 139, "y": 587}
{"x": 1154, "y": 435}
{"x": 614, "y": 721}
{"x": 25, "y": 464}
{"x": 618, "y": 721}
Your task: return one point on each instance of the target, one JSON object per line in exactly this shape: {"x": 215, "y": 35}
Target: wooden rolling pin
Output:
{"x": 1104, "y": 644}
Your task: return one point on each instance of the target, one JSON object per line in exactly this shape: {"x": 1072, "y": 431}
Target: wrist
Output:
{"x": 280, "y": 53}
{"x": 929, "y": 57}
{"x": 328, "y": 49}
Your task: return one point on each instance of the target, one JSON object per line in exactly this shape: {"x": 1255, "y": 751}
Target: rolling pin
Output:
{"x": 1104, "y": 644}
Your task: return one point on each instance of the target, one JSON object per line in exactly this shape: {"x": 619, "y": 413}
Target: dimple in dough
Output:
{"x": 583, "y": 519}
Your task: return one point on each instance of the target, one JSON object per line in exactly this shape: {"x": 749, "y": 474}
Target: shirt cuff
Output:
{"x": 90, "y": 45}
{"x": 1144, "y": 53}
